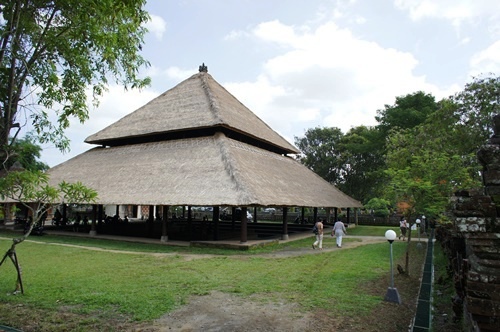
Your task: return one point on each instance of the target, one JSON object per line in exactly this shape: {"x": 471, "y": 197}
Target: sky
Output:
{"x": 301, "y": 64}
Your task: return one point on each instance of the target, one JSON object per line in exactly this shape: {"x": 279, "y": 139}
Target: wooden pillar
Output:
{"x": 336, "y": 215}
{"x": 254, "y": 214}
{"x": 117, "y": 211}
{"x": 164, "y": 224}
{"x": 303, "y": 215}
{"x": 215, "y": 222}
{"x": 233, "y": 218}
{"x": 64, "y": 214}
{"x": 285, "y": 224}
{"x": 348, "y": 215}
{"x": 190, "y": 223}
{"x": 93, "y": 228}
{"x": 100, "y": 212}
{"x": 243, "y": 230}
{"x": 150, "y": 221}
{"x": 315, "y": 216}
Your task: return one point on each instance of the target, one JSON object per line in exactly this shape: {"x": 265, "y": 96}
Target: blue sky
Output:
{"x": 299, "y": 64}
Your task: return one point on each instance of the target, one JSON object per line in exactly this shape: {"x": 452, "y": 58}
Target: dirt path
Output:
{"x": 361, "y": 240}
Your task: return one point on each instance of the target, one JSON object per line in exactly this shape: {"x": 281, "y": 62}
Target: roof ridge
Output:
{"x": 212, "y": 100}
{"x": 228, "y": 160}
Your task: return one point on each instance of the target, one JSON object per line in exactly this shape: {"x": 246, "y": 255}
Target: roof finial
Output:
{"x": 203, "y": 68}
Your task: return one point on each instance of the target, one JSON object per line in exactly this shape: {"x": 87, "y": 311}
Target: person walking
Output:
{"x": 338, "y": 231}
{"x": 319, "y": 235}
{"x": 403, "y": 226}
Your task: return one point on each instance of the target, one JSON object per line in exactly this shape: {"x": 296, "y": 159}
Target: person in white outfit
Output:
{"x": 339, "y": 231}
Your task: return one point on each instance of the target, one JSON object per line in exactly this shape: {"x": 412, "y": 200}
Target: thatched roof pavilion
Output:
{"x": 197, "y": 145}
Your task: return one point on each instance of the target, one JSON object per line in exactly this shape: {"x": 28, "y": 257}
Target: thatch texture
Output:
{"x": 208, "y": 171}
{"x": 198, "y": 102}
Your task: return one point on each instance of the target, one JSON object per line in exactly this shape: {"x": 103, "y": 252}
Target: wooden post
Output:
{"x": 315, "y": 215}
{"x": 215, "y": 222}
{"x": 285, "y": 224}
{"x": 93, "y": 228}
{"x": 190, "y": 223}
{"x": 164, "y": 224}
{"x": 149, "y": 222}
{"x": 100, "y": 212}
{"x": 233, "y": 218}
{"x": 64, "y": 214}
{"x": 243, "y": 230}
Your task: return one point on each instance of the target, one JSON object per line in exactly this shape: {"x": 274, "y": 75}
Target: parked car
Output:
{"x": 226, "y": 214}
{"x": 270, "y": 210}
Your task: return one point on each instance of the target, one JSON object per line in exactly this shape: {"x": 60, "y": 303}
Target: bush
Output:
{"x": 379, "y": 206}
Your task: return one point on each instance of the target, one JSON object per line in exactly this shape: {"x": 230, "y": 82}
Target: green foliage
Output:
{"x": 428, "y": 163}
{"x": 351, "y": 161}
{"x": 363, "y": 160}
{"x": 408, "y": 111}
{"x": 321, "y": 153}
{"x": 32, "y": 189}
{"x": 379, "y": 206}
{"x": 356, "y": 162}
{"x": 55, "y": 50}
{"x": 26, "y": 152}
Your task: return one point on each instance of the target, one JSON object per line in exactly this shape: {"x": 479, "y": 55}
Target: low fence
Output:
{"x": 369, "y": 220}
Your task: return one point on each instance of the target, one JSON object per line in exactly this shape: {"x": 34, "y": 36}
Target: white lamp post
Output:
{"x": 392, "y": 294}
{"x": 419, "y": 245}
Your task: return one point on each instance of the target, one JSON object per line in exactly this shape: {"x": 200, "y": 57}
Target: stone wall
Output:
{"x": 476, "y": 243}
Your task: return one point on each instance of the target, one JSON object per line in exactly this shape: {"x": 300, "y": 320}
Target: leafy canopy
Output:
{"x": 51, "y": 52}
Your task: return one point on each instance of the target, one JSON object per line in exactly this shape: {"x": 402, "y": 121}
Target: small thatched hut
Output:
{"x": 197, "y": 145}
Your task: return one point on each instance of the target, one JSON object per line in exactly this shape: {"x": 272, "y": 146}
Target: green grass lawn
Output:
{"x": 145, "y": 287}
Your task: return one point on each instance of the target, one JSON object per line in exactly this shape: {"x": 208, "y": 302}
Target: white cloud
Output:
{"x": 327, "y": 77}
{"x": 234, "y": 35}
{"x": 455, "y": 11}
{"x": 156, "y": 26}
{"x": 486, "y": 61}
{"x": 179, "y": 74}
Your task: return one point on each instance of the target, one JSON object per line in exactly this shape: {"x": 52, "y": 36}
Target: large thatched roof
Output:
{"x": 206, "y": 171}
{"x": 197, "y": 106}
{"x": 196, "y": 145}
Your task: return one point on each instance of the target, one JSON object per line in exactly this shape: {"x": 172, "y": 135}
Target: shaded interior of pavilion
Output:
{"x": 188, "y": 223}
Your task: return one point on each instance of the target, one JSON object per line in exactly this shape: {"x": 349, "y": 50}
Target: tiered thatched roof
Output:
{"x": 196, "y": 145}
{"x": 196, "y": 106}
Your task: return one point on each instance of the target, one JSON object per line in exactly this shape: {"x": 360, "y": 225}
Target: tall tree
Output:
{"x": 363, "y": 163}
{"x": 467, "y": 117}
{"x": 52, "y": 51}
{"x": 321, "y": 152}
{"x": 407, "y": 112}
{"x": 427, "y": 163}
